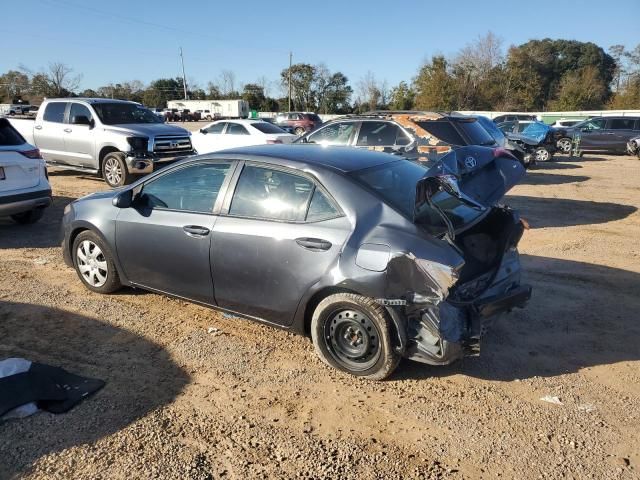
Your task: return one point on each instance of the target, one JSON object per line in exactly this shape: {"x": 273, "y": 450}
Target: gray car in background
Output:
{"x": 375, "y": 257}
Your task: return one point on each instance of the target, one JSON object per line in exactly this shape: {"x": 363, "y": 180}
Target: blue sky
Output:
{"x": 120, "y": 40}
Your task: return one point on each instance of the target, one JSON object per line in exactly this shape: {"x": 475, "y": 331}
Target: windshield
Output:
{"x": 476, "y": 132}
{"x": 265, "y": 127}
{"x": 395, "y": 183}
{"x": 124, "y": 113}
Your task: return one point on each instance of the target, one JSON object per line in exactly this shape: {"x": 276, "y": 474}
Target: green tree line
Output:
{"x": 538, "y": 75}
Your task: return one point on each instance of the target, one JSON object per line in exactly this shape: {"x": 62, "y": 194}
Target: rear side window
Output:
{"x": 193, "y": 189}
{"x": 9, "y": 136}
{"x": 373, "y": 134}
{"x": 476, "y": 132}
{"x": 334, "y": 134}
{"x": 443, "y": 130}
{"x": 236, "y": 129}
{"x": 54, "y": 112}
{"x": 622, "y": 123}
{"x": 320, "y": 208}
{"x": 271, "y": 194}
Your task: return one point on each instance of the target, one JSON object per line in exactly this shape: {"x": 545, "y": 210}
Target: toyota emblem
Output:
{"x": 470, "y": 162}
{"x": 175, "y": 145}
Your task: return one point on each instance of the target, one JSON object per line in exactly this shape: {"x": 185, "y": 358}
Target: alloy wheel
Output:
{"x": 564, "y": 145}
{"x": 352, "y": 339}
{"x": 542, "y": 155}
{"x": 113, "y": 171}
{"x": 92, "y": 263}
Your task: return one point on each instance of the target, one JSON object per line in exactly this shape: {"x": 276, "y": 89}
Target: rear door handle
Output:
{"x": 196, "y": 230}
{"x": 68, "y": 130}
{"x": 314, "y": 244}
{"x": 38, "y": 127}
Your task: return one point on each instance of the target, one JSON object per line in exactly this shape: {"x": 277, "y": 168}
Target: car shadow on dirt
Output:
{"x": 140, "y": 377}
{"x": 580, "y": 315}
{"x": 566, "y": 212}
{"x": 541, "y": 178}
{"x": 556, "y": 164}
{"x": 45, "y": 233}
{"x": 54, "y": 172}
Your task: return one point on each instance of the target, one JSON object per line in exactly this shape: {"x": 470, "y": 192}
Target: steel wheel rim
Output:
{"x": 542, "y": 155}
{"x": 353, "y": 339}
{"x": 564, "y": 145}
{"x": 92, "y": 264}
{"x": 113, "y": 171}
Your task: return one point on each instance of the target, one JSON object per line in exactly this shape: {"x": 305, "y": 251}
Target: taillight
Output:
{"x": 503, "y": 152}
{"x": 271, "y": 142}
{"x": 35, "y": 153}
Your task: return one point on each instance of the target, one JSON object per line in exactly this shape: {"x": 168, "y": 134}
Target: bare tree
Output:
{"x": 368, "y": 91}
{"x": 61, "y": 80}
{"x": 482, "y": 55}
{"x": 227, "y": 82}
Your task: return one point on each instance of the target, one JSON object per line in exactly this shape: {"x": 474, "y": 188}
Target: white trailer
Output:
{"x": 213, "y": 109}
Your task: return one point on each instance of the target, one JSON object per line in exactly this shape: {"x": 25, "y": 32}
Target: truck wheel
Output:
{"x": 352, "y": 333}
{"x": 25, "y": 218}
{"x": 114, "y": 170}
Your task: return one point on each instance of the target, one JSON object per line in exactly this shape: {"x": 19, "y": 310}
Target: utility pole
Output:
{"x": 184, "y": 77}
{"x": 290, "y": 59}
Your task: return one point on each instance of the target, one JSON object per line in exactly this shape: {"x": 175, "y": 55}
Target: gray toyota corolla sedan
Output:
{"x": 373, "y": 256}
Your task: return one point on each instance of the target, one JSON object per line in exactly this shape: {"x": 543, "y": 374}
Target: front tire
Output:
{"x": 564, "y": 145}
{"x": 352, "y": 333}
{"x": 94, "y": 264}
{"x": 542, "y": 155}
{"x": 27, "y": 218}
{"x": 114, "y": 170}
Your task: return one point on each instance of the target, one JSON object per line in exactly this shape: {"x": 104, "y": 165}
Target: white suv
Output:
{"x": 24, "y": 184}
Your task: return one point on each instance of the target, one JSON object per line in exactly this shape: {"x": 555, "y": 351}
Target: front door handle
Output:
{"x": 68, "y": 130}
{"x": 196, "y": 230}
{"x": 314, "y": 244}
{"x": 38, "y": 127}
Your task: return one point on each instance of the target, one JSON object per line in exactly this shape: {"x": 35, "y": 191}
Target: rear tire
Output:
{"x": 299, "y": 131}
{"x": 27, "y": 218}
{"x": 564, "y": 145}
{"x": 94, "y": 264}
{"x": 114, "y": 170}
{"x": 352, "y": 333}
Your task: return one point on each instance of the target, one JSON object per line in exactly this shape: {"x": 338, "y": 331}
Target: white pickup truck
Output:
{"x": 116, "y": 139}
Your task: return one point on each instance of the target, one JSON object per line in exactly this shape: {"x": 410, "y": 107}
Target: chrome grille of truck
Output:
{"x": 171, "y": 146}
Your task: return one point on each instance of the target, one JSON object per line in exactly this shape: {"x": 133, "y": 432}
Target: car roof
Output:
{"x": 344, "y": 159}
{"x": 90, "y": 100}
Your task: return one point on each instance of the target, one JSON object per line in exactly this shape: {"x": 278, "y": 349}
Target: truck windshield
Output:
{"x": 124, "y": 113}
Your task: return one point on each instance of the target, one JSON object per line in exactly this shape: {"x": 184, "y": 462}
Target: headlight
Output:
{"x": 67, "y": 208}
{"x": 138, "y": 143}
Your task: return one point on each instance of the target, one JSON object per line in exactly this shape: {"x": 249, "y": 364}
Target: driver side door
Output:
{"x": 163, "y": 240}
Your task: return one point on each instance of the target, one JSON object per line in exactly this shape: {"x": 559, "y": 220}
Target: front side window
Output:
{"x": 216, "y": 128}
{"x": 271, "y": 194}
{"x": 596, "y": 124}
{"x": 334, "y": 134}
{"x": 266, "y": 127}
{"x": 194, "y": 188}
{"x": 622, "y": 124}
{"x": 236, "y": 129}
{"x": 54, "y": 112}
{"x": 77, "y": 110}
{"x": 124, "y": 113}
{"x": 377, "y": 134}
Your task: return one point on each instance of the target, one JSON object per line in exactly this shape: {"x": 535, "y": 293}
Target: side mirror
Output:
{"x": 585, "y": 129}
{"x": 124, "y": 199}
{"x": 81, "y": 120}
{"x": 203, "y": 131}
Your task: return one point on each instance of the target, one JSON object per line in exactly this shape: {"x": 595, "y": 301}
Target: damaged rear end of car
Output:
{"x": 442, "y": 305}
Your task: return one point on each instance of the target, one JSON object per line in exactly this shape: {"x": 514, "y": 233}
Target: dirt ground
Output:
{"x": 253, "y": 402}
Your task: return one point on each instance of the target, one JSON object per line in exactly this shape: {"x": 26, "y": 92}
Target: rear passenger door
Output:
{"x": 49, "y": 132}
{"x": 278, "y": 233}
{"x": 380, "y": 136}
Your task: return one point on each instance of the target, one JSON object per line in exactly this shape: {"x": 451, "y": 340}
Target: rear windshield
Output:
{"x": 443, "y": 130}
{"x": 266, "y": 127}
{"x": 9, "y": 136}
{"x": 476, "y": 132}
{"x": 124, "y": 113}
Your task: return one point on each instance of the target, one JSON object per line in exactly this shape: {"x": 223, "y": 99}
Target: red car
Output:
{"x": 300, "y": 122}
